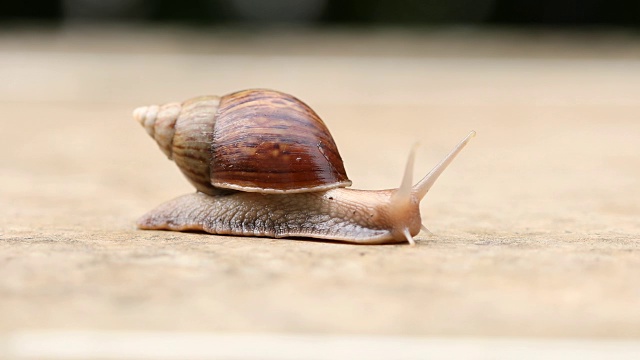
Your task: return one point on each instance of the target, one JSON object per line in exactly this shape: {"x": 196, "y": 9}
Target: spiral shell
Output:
{"x": 252, "y": 140}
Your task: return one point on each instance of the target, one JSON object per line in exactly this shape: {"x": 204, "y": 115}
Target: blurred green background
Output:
{"x": 343, "y": 12}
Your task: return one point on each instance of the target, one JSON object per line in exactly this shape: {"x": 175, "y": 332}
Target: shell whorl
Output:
{"x": 270, "y": 142}
{"x": 183, "y": 133}
{"x": 252, "y": 140}
{"x": 159, "y": 121}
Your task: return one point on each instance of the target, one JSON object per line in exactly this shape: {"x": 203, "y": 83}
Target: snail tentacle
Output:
{"x": 408, "y": 236}
{"x": 423, "y": 186}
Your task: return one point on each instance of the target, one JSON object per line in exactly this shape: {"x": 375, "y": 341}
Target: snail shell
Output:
{"x": 252, "y": 140}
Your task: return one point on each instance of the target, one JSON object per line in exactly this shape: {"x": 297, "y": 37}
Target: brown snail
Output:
{"x": 265, "y": 164}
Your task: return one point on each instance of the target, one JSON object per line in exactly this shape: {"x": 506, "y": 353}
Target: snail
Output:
{"x": 264, "y": 164}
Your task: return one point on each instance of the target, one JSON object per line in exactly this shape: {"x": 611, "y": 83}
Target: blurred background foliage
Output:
{"x": 340, "y": 12}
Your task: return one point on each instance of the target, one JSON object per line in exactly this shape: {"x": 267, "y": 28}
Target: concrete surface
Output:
{"x": 536, "y": 225}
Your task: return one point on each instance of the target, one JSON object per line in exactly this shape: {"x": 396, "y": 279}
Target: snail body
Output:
{"x": 265, "y": 164}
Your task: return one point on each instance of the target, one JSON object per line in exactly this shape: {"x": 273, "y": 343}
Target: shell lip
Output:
{"x": 256, "y": 189}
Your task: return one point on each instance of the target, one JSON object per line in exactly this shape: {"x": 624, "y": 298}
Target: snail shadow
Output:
{"x": 252, "y": 237}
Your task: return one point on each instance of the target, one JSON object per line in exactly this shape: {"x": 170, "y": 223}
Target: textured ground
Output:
{"x": 537, "y": 223}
